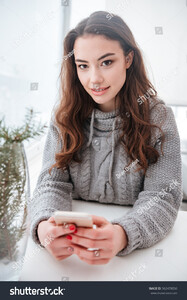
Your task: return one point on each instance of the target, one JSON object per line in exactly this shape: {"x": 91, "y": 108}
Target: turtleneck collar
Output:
{"x": 105, "y": 121}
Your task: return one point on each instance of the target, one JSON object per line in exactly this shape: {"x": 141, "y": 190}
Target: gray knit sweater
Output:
{"x": 155, "y": 197}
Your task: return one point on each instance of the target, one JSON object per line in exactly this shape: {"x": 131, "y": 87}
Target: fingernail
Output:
{"x": 51, "y": 220}
{"x": 75, "y": 231}
{"x": 72, "y": 227}
{"x": 69, "y": 237}
{"x": 70, "y": 249}
{"x": 65, "y": 225}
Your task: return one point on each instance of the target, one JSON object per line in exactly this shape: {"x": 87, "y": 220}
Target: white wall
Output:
{"x": 165, "y": 54}
{"x": 30, "y": 52}
{"x": 83, "y": 8}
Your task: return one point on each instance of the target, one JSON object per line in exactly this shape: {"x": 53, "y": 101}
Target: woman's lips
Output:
{"x": 101, "y": 92}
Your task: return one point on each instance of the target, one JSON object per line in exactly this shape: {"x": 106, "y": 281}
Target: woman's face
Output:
{"x": 101, "y": 68}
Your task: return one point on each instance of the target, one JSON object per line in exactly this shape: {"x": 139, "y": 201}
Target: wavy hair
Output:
{"x": 76, "y": 104}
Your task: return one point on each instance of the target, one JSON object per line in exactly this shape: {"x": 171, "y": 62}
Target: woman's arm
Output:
{"x": 155, "y": 211}
{"x": 52, "y": 192}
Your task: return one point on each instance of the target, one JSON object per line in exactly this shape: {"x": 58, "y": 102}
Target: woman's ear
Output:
{"x": 129, "y": 59}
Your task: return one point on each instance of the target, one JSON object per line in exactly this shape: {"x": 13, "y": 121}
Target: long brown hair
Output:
{"x": 76, "y": 104}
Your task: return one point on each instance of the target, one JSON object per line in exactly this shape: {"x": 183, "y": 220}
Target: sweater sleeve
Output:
{"x": 52, "y": 192}
{"x": 154, "y": 212}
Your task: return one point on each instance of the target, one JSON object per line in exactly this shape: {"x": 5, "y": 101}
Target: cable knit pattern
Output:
{"x": 155, "y": 198}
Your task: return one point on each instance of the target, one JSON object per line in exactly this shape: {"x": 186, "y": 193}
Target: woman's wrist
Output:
{"x": 122, "y": 237}
{"x": 38, "y": 230}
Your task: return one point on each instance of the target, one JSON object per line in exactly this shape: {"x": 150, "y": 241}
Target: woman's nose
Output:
{"x": 96, "y": 77}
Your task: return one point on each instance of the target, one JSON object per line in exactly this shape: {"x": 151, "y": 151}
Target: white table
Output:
{"x": 140, "y": 265}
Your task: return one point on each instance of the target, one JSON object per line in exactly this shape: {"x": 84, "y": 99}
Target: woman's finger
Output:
{"x": 89, "y": 242}
{"x": 62, "y": 257}
{"x": 51, "y": 220}
{"x": 59, "y": 230}
{"x": 95, "y": 262}
{"x": 60, "y": 242}
{"x": 99, "y": 221}
{"x": 99, "y": 233}
{"x": 66, "y": 253}
{"x": 58, "y": 250}
{"x": 92, "y": 254}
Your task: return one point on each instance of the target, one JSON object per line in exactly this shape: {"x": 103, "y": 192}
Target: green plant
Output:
{"x": 13, "y": 190}
{"x": 28, "y": 130}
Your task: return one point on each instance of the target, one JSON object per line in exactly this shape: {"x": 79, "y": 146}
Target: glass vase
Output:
{"x": 14, "y": 194}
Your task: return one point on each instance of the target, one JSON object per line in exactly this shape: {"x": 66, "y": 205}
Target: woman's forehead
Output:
{"x": 95, "y": 46}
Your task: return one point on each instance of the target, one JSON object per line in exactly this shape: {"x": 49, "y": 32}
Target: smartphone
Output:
{"x": 78, "y": 218}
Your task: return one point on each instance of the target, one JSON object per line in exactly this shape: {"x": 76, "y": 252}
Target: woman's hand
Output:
{"x": 53, "y": 238}
{"x": 108, "y": 238}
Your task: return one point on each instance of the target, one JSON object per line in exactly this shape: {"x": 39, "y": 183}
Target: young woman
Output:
{"x": 111, "y": 140}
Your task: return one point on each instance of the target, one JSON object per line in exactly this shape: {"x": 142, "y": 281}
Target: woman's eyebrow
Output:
{"x": 103, "y": 56}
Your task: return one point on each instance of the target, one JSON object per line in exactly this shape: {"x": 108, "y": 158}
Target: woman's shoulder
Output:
{"x": 156, "y": 104}
{"x": 162, "y": 116}
{"x": 159, "y": 112}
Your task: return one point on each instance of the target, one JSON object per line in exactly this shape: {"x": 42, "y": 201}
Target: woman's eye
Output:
{"x": 107, "y": 62}
{"x": 82, "y": 67}
{"x": 104, "y": 63}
